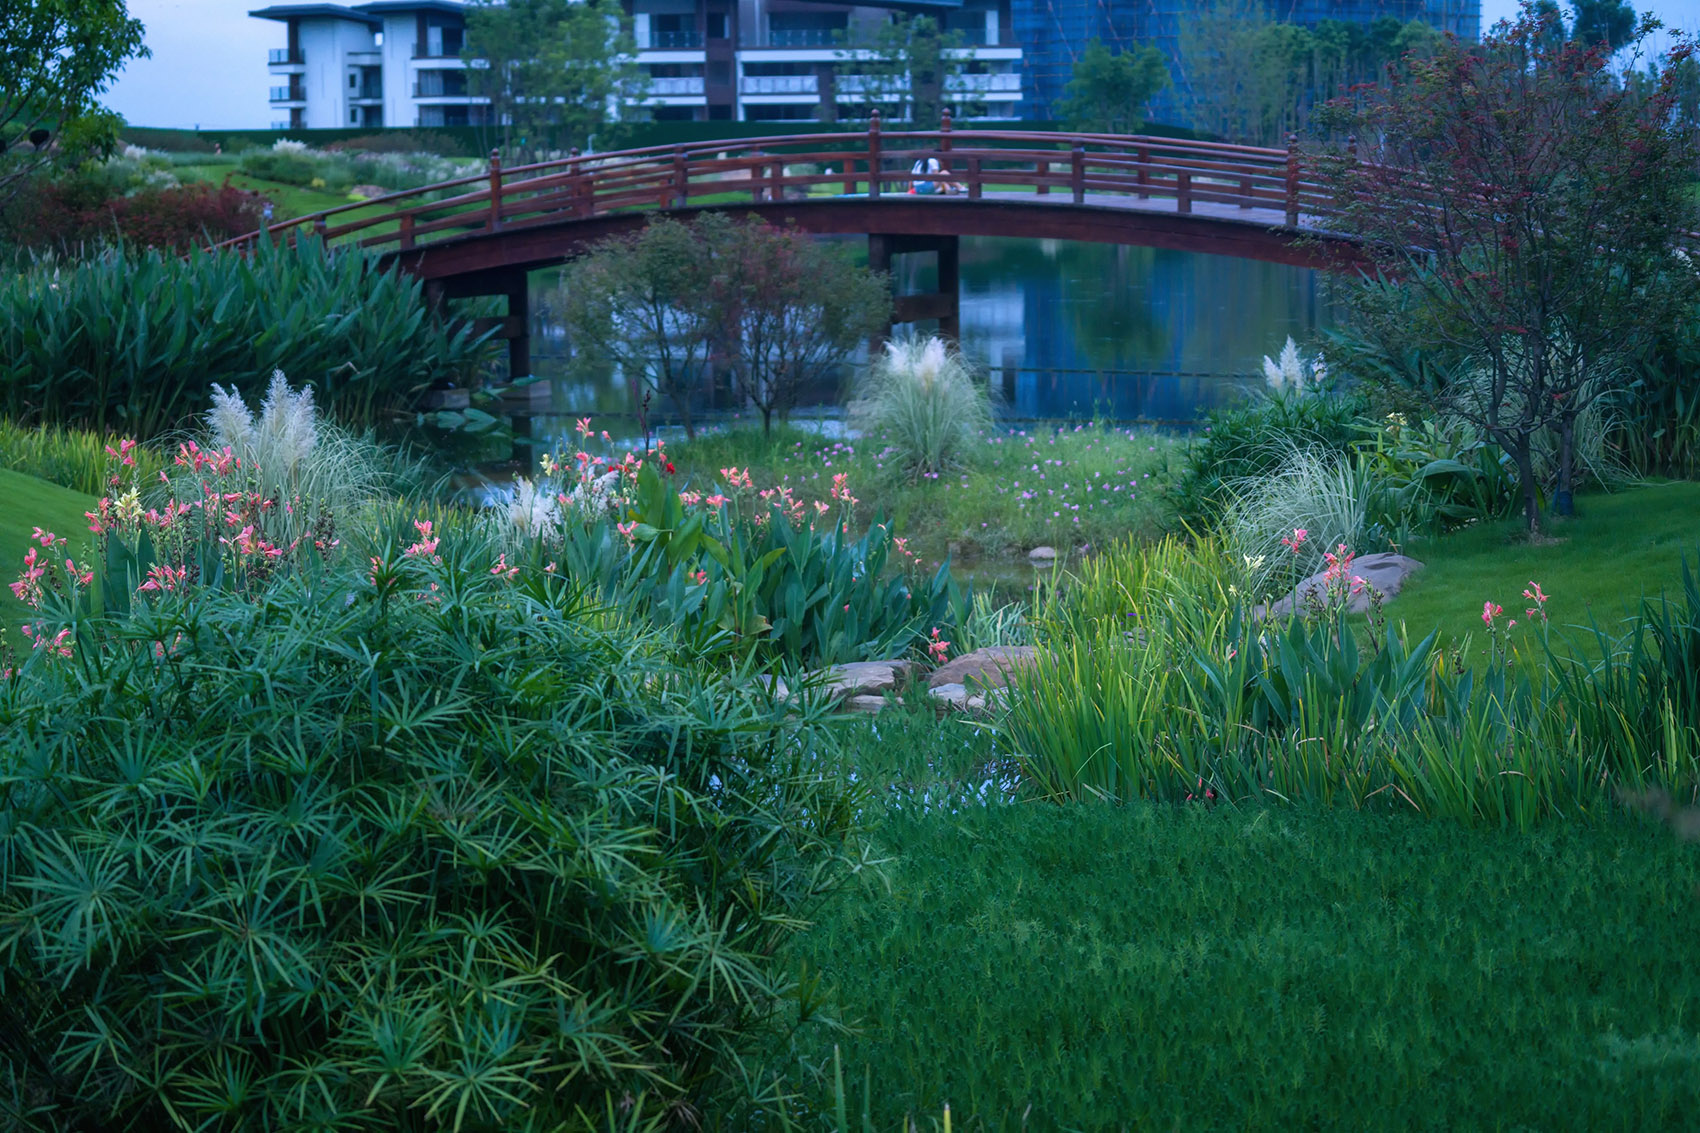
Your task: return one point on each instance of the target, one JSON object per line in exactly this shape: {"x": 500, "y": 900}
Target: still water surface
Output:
{"x": 1065, "y": 330}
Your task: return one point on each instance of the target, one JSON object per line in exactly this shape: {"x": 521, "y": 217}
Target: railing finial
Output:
{"x": 944, "y": 120}
{"x": 495, "y": 159}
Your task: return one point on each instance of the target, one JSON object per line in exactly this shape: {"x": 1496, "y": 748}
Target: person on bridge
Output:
{"x": 930, "y": 165}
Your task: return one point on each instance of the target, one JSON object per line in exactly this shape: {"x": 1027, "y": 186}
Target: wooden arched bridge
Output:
{"x": 480, "y": 235}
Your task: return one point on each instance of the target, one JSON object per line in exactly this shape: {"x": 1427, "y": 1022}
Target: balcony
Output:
{"x": 1009, "y": 83}
{"x": 424, "y": 89}
{"x": 436, "y": 50}
{"x": 670, "y": 86}
{"x": 674, "y": 40}
{"x": 779, "y": 84}
{"x": 285, "y": 56}
{"x": 288, "y": 94}
{"x": 368, "y": 92}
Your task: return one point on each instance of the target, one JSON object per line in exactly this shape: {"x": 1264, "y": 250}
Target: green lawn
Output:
{"x": 1598, "y": 564}
{"x": 1090, "y": 967}
{"x": 25, "y": 504}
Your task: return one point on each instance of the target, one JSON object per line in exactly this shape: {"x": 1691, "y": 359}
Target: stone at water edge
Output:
{"x": 950, "y": 696}
{"x": 957, "y": 698}
{"x": 872, "y": 705}
{"x": 987, "y": 668}
{"x": 1384, "y": 573}
{"x": 1042, "y": 555}
{"x": 862, "y": 678}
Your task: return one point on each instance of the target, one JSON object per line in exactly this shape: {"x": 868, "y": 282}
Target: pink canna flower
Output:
{"x": 1490, "y": 612}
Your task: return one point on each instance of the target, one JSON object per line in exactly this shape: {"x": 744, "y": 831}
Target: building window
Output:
{"x": 717, "y": 25}
{"x": 353, "y": 82}
{"x": 354, "y": 117}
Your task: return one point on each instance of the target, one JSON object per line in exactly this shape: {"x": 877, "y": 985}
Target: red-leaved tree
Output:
{"x": 1531, "y": 208}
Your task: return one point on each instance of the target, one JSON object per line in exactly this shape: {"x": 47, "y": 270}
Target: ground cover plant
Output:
{"x": 1017, "y": 488}
{"x": 1196, "y": 966}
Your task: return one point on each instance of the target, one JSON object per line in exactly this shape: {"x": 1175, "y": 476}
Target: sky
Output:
{"x": 208, "y": 68}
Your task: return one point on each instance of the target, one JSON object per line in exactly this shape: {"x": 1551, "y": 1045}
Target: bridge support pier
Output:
{"x": 945, "y": 304}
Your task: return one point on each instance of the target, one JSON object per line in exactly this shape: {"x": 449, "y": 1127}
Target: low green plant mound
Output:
{"x": 72, "y": 458}
{"x": 431, "y": 845}
{"x": 27, "y": 503}
{"x": 920, "y": 397}
{"x": 1193, "y": 967}
{"x": 126, "y": 341}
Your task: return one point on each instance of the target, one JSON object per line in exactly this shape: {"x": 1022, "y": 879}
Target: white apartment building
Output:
{"x": 398, "y": 62}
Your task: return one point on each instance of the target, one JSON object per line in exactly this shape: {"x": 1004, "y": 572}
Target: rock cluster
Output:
{"x": 970, "y": 683}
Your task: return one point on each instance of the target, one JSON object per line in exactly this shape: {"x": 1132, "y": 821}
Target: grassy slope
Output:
{"x": 1599, "y": 564}
{"x": 1022, "y": 489}
{"x": 27, "y": 503}
{"x": 1176, "y": 967}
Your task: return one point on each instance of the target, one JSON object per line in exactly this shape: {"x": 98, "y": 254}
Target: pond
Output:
{"x": 1065, "y": 331}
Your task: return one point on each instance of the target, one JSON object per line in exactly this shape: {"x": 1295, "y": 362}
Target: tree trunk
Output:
{"x": 1563, "y": 502}
{"x": 767, "y": 420}
{"x": 1525, "y": 461}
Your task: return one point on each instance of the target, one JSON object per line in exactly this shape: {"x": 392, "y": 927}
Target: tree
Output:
{"x": 1611, "y": 22}
{"x": 1107, "y": 92}
{"x": 791, "y": 311}
{"x": 56, "y": 57}
{"x": 555, "y": 71}
{"x": 1527, "y": 202}
{"x": 912, "y": 63}
{"x": 644, "y": 305}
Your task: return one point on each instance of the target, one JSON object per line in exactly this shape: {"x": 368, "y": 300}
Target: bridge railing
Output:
{"x": 1081, "y": 168}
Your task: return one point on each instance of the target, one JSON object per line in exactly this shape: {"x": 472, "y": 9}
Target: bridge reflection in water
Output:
{"x": 1066, "y": 330}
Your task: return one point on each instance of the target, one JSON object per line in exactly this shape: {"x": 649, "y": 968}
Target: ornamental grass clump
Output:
{"x": 920, "y": 399}
{"x": 424, "y": 839}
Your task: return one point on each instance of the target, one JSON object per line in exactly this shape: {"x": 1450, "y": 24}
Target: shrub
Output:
{"x": 923, "y": 401}
{"x": 127, "y": 340}
{"x": 417, "y": 846}
{"x": 289, "y": 167}
{"x": 739, "y": 570}
{"x": 1328, "y": 498}
{"x": 69, "y": 216}
{"x": 1255, "y": 440}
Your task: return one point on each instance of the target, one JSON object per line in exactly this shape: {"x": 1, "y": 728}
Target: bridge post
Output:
{"x": 1077, "y": 173}
{"x": 1183, "y": 191}
{"x": 495, "y": 189}
{"x": 681, "y": 187}
{"x": 1292, "y": 180}
{"x": 1142, "y": 174}
{"x": 974, "y": 179}
{"x": 406, "y": 231}
{"x": 874, "y": 153}
{"x": 950, "y": 290}
{"x": 944, "y": 142}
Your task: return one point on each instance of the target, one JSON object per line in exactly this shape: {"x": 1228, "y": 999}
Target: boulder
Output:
{"x": 869, "y": 704}
{"x": 950, "y": 696}
{"x": 959, "y": 698}
{"x": 985, "y": 668}
{"x": 1383, "y": 574}
{"x": 1042, "y": 555}
{"x": 862, "y": 678}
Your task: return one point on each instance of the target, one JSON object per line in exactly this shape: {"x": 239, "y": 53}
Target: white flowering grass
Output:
{"x": 1292, "y": 374}
{"x": 1321, "y": 495}
{"x": 921, "y": 398}
{"x": 291, "y": 454}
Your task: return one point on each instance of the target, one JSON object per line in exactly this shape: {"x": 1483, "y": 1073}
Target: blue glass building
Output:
{"x": 1053, "y": 33}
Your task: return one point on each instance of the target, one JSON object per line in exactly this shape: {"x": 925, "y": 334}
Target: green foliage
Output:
{"x": 757, "y": 578}
{"x": 56, "y": 56}
{"x": 553, "y": 70}
{"x": 424, "y": 848}
{"x": 129, "y": 341}
{"x": 907, "y": 69}
{"x": 921, "y": 397}
{"x": 1255, "y": 440}
{"x": 25, "y": 504}
{"x": 1017, "y": 489}
{"x": 72, "y": 458}
{"x": 677, "y": 303}
{"x": 289, "y": 166}
{"x": 1107, "y": 92}
{"x": 1542, "y": 293}
{"x": 1197, "y": 967}
{"x": 1182, "y": 693}
{"x": 1252, "y": 78}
